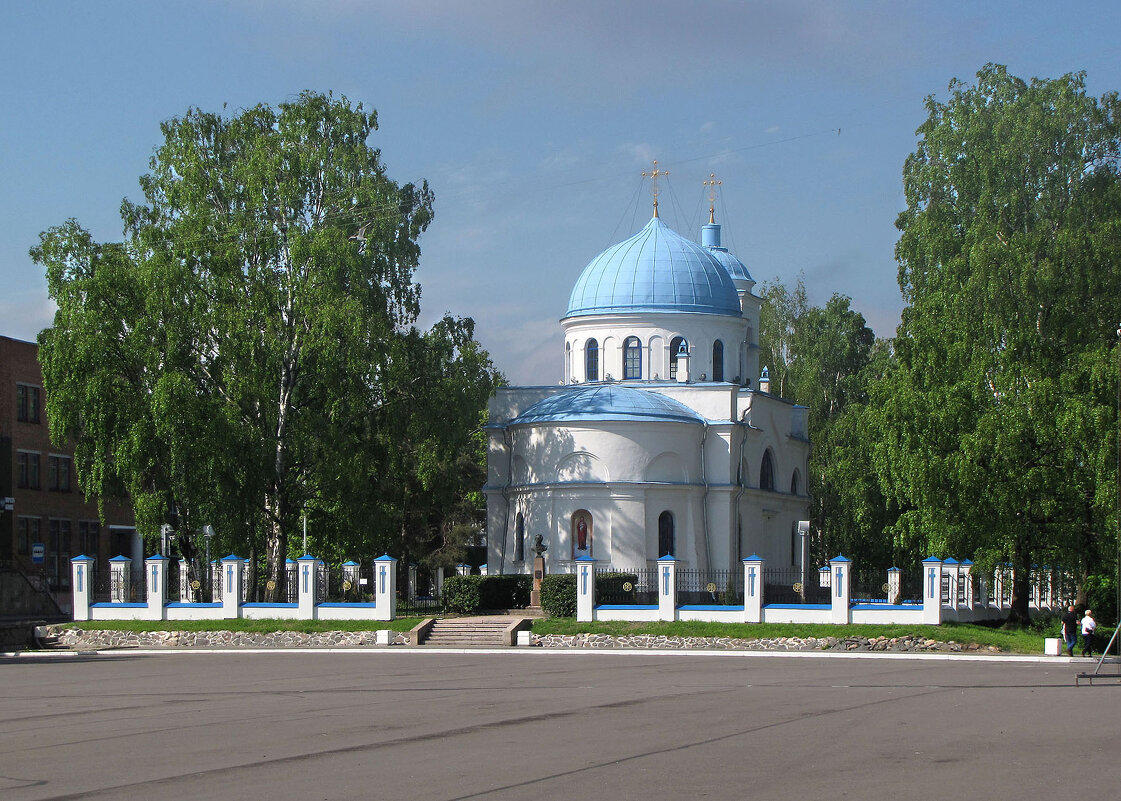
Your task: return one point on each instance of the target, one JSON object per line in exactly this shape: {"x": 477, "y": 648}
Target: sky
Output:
{"x": 532, "y": 123}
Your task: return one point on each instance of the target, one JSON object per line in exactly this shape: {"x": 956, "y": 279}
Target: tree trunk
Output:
{"x": 1021, "y": 586}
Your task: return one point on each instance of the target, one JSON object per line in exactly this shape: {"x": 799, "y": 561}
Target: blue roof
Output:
{"x": 736, "y": 268}
{"x": 656, "y": 270}
{"x": 607, "y": 402}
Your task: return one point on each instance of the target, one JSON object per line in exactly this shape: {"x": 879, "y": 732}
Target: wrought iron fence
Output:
{"x": 619, "y": 586}
{"x": 344, "y": 585}
{"x": 121, "y": 586}
{"x": 784, "y": 585}
{"x": 715, "y": 587}
{"x": 420, "y": 606}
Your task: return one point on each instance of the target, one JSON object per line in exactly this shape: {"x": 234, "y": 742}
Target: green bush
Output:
{"x": 463, "y": 594}
{"x": 505, "y": 592}
{"x": 611, "y": 587}
{"x": 467, "y": 595}
{"x": 558, "y": 595}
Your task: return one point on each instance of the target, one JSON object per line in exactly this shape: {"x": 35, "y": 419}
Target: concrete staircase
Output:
{"x": 467, "y": 632}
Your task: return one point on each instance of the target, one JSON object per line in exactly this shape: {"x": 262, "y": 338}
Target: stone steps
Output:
{"x": 456, "y": 633}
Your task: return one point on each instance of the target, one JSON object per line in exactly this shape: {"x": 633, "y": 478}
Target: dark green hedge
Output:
{"x": 469, "y": 594}
{"x": 558, "y": 595}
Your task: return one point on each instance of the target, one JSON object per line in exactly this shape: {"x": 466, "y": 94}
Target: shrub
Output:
{"x": 558, "y": 595}
{"x": 466, "y": 595}
{"x": 463, "y": 594}
{"x": 505, "y": 592}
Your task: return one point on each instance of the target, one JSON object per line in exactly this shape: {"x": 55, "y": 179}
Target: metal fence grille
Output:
{"x": 620, "y": 586}
{"x": 711, "y": 587}
{"x": 784, "y": 585}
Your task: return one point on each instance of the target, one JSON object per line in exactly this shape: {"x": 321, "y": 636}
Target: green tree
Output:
{"x": 998, "y": 427}
{"x": 233, "y": 354}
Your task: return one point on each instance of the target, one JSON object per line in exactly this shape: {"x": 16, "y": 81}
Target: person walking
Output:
{"x": 1070, "y": 630}
{"x": 1088, "y": 626}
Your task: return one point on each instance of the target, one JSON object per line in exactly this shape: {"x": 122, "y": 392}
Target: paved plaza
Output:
{"x": 550, "y": 725}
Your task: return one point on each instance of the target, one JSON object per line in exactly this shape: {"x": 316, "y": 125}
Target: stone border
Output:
{"x": 908, "y": 644}
{"x": 101, "y": 639}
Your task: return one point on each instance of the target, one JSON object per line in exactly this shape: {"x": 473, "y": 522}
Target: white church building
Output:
{"x": 664, "y": 439}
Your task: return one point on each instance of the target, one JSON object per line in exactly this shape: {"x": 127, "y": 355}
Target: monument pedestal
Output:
{"x": 538, "y": 574}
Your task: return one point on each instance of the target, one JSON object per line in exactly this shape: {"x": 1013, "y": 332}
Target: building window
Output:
{"x": 567, "y": 361}
{"x": 794, "y": 483}
{"x": 27, "y": 532}
{"x": 58, "y": 553}
{"x": 675, "y": 346}
{"x": 718, "y": 361}
{"x": 591, "y": 360}
{"x": 88, "y": 536}
{"x": 767, "y": 472}
{"x": 28, "y": 464}
{"x": 665, "y": 534}
{"x": 632, "y": 358}
{"x": 27, "y": 403}
{"x": 58, "y": 473}
{"x": 519, "y": 538}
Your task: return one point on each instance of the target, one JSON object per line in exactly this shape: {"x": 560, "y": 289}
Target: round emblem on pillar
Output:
{"x": 271, "y": 585}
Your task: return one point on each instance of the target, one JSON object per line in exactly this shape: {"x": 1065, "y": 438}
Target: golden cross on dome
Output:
{"x": 712, "y": 183}
{"x": 654, "y": 175}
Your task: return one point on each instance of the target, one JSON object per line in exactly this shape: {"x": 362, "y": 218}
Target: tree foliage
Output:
{"x": 998, "y": 427}
{"x": 247, "y": 353}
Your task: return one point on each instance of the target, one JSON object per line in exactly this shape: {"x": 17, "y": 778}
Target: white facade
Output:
{"x": 638, "y": 456}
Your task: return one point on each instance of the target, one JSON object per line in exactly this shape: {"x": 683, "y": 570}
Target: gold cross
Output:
{"x": 712, "y": 183}
{"x": 654, "y": 174}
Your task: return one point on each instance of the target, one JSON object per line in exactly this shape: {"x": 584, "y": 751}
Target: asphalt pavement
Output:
{"x": 416, "y": 724}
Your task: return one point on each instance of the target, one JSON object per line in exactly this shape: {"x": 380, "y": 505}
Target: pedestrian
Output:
{"x": 1070, "y": 630}
{"x": 1088, "y": 626}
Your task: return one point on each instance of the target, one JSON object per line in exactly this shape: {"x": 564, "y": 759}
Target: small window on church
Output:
{"x": 665, "y": 534}
{"x": 675, "y": 346}
{"x": 718, "y": 361}
{"x": 767, "y": 472}
{"x": 794, "y": 483}
{"x": 591, "y": 360}
{"x": 632, "y": 358}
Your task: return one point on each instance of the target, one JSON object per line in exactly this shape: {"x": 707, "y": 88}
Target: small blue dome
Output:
{"x": 710, "y": 238}
{"x": 607, "y": 402}
{"x": 656, "y": 270}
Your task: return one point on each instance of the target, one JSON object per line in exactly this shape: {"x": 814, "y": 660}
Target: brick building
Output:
{"x": 48, "y": 509}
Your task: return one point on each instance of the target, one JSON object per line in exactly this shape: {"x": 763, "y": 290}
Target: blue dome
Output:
{"x": 607, "y": 402}
{"x": 710, "y": 238}
{"x": 656, "y": 270}
{"x": 736, "y": 268}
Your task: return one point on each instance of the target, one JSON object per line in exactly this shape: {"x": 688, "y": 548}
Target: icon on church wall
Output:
{"x": 581, "y": 534}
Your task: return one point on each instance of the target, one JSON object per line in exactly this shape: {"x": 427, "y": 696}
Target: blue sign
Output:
{"x": 38, "y": 553}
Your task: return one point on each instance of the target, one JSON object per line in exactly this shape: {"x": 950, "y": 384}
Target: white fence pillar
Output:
{"x": 932, "y": 591}
{"x": 231, "y": 587}
{"x": 950, "y": 571}
{"x": 120, "y": 580}
{"x": 244, "y": 580}
{"x": 186, "y": 595}
{"x": 585, "y": 588}
{"x": 307, "y": 568}
{"x": 385, "y": 587}
{"x": 894, "y": 585}
{"x": 841, "y": 570}
{"x": 81, "y": 575}
{"x": 156, "y": 569}
{"x": 667, "y": 588}
{"x": 753, "y": 589}
{"x": 350, "y": 579}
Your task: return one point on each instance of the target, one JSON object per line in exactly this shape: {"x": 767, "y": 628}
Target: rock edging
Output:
{"x": 906, "y": 644}
{"x": 94, "y": 639}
